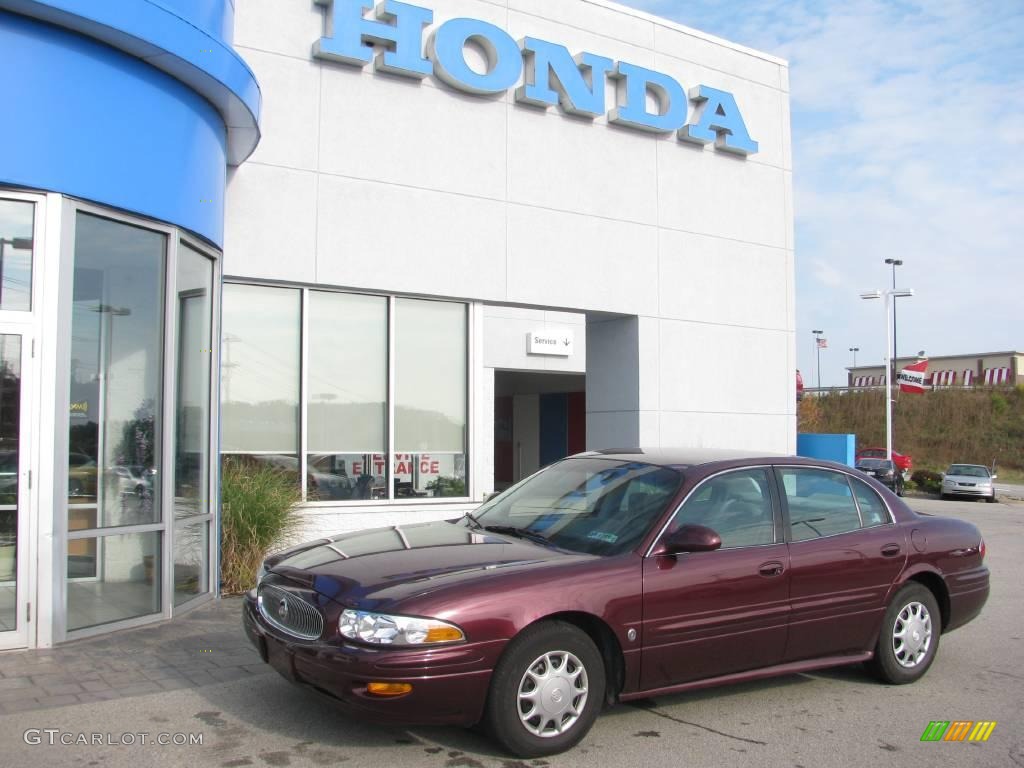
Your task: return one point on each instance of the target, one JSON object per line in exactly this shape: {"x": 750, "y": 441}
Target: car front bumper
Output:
{"x": 973, "y": 491}
{"x": 449, "y": 684}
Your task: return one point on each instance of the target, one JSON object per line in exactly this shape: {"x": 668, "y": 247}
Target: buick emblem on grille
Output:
{"x": 290, "y": 613}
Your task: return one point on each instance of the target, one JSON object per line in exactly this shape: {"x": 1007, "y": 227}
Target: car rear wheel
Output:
{"x": 546, "y": 690}
{"x": 909, "y": 638}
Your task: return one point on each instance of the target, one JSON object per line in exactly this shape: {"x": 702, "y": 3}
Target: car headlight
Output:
{"x": 384, "y": 629}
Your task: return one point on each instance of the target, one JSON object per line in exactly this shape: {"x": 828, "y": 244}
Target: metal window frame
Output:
{"x": 471, "y": 339}
{"x": 166, "y": 431}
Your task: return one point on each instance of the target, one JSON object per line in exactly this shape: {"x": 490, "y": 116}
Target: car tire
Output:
{"x": 558, "y": 663}
{"x": 909, "y": 637}
{"x": 991, "y": 499}
{"x": 944, "y": 496}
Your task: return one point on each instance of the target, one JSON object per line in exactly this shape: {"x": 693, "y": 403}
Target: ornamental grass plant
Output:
{"x": 258, "y": 513}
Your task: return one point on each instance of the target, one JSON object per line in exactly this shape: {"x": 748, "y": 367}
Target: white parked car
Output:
{"x": 972, "y": 480}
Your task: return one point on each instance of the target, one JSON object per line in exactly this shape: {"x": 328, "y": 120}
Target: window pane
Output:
{"x": 347, "y": 375}
{"x": 122, "y": 580}
{"x": 10, "y": 445}
{"x": 191, "y": 560}
{"x": 116, "y": 374}
{"x": 872, "y": 509}
{"x": 260, "y": 370}
{"x": 346, "y": 476}
{"x": 737, "y": 506}
{"x": 820, "y": 503}
{"x": 192, "y": 441}
{"x": 430, "y": 397}
{"x": 16, "y": 254}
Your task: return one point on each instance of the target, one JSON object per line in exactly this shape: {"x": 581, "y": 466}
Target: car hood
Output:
{"x": 374, "y": 568}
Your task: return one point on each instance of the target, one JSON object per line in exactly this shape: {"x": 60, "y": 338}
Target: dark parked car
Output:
{"x": 884, "y": 471}
{"x": 903, "y": 462}
{"x": 613, "y": 576}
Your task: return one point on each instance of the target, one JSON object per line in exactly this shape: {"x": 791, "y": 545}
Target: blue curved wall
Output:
{"x": 110, "y": 112}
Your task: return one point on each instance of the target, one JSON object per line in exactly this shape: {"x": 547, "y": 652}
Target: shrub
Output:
{"x": 258, "y": 512}
{"x": 926, "y": 480}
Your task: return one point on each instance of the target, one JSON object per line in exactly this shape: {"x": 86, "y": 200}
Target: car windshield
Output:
{"x": 875, "y": 463}
{"x": 590, "y": 505}
{"x": 967, "y": 470}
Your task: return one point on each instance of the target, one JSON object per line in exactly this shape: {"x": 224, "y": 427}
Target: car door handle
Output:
{"x": 771, "y": 569}
{"x": 890, "y": 550}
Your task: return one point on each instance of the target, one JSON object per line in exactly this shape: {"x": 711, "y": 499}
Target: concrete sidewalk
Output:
{"x": 202, "y": 647}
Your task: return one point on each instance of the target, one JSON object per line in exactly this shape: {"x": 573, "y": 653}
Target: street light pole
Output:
{"x": 855, "y": 350}
{"x": 894, "y": 263}
{"x": 817, "y": 349}
{"x": 889, "y": 296}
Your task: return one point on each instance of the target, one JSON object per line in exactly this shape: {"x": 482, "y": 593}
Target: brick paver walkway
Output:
{"x": 203, "y": 647}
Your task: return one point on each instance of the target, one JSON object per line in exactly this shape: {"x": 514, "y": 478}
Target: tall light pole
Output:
{"x": 855, "y": 350}
{"x": 895, "y": 354}
{"x": 817, "y": 349}
{"x": 889, "y": 295}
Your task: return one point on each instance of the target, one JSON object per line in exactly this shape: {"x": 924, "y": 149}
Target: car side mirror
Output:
{"x": 994, "y": 476}
{"x": 689, "y": 538}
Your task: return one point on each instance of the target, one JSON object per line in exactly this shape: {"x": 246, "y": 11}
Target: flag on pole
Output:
{"x": 822, "y": 343}
{"x": 911, "y": 378}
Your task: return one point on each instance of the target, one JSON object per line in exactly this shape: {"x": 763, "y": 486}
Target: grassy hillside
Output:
{"x": 976, "y": 426}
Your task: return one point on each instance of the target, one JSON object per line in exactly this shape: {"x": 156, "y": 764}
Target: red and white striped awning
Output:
{"x": 997, "y": 376}
{"x": 968, "y": 377}
{"x": 944, "y": 378}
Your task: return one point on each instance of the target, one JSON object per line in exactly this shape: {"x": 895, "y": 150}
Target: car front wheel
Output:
{"x": 546, "y": 691}
{"x": 991, "y": 499}
{"x": 909, "y": 638}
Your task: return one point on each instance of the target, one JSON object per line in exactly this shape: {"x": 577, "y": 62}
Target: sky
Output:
{"x": 908, "y": 143}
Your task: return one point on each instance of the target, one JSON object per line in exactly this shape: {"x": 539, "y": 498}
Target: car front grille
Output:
{"x": 290, "y": 613}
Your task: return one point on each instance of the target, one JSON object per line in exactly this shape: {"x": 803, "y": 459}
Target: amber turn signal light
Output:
{"x": 443, "y": 634}
{"x": 388, "y": 689}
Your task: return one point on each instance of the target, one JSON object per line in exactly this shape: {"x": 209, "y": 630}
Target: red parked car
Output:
{"x": 614, "y": 576}
{"x": 902, "y": 461}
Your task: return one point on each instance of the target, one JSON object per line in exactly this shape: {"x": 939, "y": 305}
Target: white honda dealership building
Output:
{"x": 442, "y": 244}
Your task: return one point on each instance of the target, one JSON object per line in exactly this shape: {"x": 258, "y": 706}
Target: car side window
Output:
{"x": 736, "y": 505}
{"x": 872, "y": 509}
{"x": 820, "y": 503}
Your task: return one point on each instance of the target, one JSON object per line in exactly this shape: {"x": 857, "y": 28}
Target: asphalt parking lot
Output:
{"x": 838, "y": 717}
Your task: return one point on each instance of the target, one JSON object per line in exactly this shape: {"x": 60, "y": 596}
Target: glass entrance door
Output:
{"x": 14, "y": 540}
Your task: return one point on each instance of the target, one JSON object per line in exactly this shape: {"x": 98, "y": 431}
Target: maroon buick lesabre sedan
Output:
{"x": 612, "y": 576}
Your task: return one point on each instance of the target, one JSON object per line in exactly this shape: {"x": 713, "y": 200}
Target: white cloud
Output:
{"x": 908, "y": 141}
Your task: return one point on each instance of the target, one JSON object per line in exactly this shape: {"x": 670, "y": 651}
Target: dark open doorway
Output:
{"x": 539, "y": 418}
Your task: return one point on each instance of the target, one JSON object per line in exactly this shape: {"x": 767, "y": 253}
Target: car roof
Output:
{"x": 962, "y": 464}
{"x": 691, "y": 457}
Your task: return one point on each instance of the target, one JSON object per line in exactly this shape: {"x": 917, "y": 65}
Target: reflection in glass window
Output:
{"x": 116, "y": 377}
{"x": 872, "y": 509}
{"x": 820, "y": 503}
{"x": 122, "y": 581}
{"x": 260, "y": 373}
{"x": 16, "y": 254}
{"x": 192, "y": 440}
{"x": 191, "y": 560}
{"x": 347, "y": 385}
{"x": 430, "y": 398}
{"x": 736, "y": 505}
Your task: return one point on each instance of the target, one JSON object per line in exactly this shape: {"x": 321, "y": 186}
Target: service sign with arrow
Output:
{"x": 548, "y": 342}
